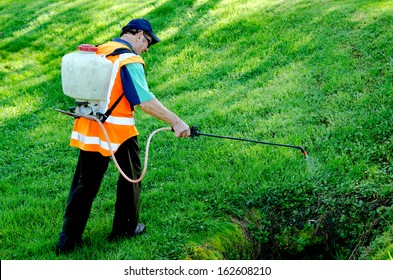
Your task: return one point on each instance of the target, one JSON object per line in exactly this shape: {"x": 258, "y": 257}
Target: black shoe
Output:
{"x": 114, "y": 236}
{"x": 140, "y": 228}
{"x": 65, "y": 244}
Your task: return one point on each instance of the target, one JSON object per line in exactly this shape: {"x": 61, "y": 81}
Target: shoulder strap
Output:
{"x": 120, "y": 51}
{"x": 109, "y": 111}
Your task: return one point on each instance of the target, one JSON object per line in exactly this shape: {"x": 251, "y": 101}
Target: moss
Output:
{"x": 231, "y": 243}
{"x": 381, "y": 248}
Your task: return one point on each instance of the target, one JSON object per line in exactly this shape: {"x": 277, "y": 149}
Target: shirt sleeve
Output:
{"x": 135, "y": 85}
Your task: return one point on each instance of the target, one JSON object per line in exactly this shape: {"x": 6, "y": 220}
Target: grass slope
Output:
{"x": 310, "y": 73}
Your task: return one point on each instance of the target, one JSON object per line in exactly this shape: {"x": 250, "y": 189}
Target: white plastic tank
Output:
{"x": 85, "y": 75}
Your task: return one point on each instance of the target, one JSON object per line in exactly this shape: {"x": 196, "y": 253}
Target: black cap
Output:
{"x": 141, "y": 24}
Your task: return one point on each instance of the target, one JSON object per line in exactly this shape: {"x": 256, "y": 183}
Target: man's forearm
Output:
{"x": 155, "y": 108}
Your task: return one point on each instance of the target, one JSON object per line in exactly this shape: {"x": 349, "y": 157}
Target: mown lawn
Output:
{"x": 313, "y": 73}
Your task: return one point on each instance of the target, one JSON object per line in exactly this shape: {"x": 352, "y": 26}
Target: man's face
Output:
{"x": 142, "y": 42}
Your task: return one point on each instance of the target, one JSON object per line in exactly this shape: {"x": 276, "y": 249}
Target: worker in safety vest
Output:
{"x": 136, "y": 37}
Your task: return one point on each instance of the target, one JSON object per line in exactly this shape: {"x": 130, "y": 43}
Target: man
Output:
{"x": 136, "y": 38}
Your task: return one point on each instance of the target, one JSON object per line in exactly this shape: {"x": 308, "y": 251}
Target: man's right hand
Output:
{"x": 181, "y": 129}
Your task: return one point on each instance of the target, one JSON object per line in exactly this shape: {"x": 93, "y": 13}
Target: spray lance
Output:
{"x": 195, "y": 132}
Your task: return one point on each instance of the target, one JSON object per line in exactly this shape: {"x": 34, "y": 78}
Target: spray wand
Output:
{"x": 195, "y": 132}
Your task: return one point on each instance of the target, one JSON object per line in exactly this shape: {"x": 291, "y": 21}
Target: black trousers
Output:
{"x": 85, "y": 185}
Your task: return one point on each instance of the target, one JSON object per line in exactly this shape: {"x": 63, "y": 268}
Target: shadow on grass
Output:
{"x": 244, "y": 58}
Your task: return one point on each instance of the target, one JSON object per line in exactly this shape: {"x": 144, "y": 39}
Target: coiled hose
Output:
{"x": 90, "y": 117}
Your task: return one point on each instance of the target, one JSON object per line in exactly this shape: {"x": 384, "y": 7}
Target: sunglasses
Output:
{"x": 148, "y": 39}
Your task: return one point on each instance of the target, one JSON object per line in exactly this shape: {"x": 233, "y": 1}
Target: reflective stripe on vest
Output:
{"x": 93, "y": 140}
{"x": 120, "y": 120}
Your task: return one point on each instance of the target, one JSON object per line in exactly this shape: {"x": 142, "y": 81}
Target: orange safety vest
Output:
{"x": 87, "y": 135}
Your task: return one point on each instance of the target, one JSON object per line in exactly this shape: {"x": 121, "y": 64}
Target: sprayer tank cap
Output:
{"x": 87, "y": 48}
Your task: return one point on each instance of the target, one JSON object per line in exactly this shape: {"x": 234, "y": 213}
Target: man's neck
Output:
{"x": 128, "y": 44}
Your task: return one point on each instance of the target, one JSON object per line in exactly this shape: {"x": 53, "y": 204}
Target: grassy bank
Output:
{"x": 310, "y": 73}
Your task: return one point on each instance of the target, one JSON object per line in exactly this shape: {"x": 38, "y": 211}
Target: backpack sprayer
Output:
{"x": 86, "y": 76}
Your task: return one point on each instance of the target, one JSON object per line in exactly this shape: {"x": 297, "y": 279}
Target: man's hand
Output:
{"x": 181, "y": 129}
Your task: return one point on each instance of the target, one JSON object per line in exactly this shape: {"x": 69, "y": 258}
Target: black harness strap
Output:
{"x": 120, "y": 51}
{"x": 109, "y": 111}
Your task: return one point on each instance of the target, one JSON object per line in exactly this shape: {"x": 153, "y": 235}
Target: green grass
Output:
{"x": 311, "y": 73}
